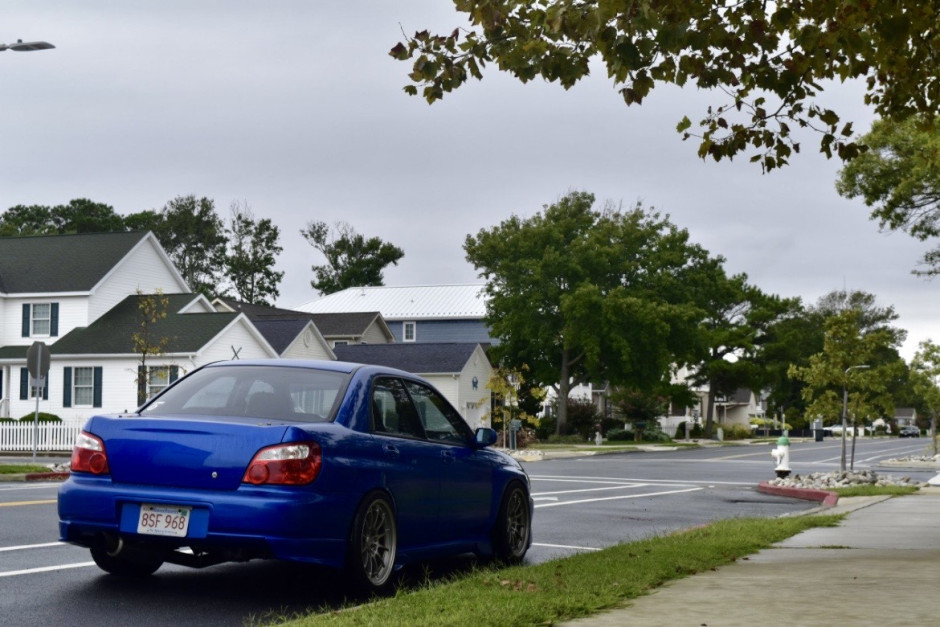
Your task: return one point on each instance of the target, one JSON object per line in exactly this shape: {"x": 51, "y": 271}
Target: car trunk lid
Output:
{"x": 179, "y": 452}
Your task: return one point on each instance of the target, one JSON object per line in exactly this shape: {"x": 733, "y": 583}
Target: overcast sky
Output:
{"x": 296, "y": 108}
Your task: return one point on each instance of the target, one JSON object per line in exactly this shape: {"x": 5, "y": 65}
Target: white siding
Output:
{"x": 375, "y": 335}
{"x": 73, "y": 312}
{"x": 446, "y": 384}
{"x": 308, "y": 345}
{"x": 475, "y": 403}
{"x": 235, "y": 337}
{"x": 144, "y": 269}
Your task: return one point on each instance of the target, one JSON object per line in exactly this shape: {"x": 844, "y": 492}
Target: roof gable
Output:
{"x": 427, "y": 358}
{"x": 62, "y": 263}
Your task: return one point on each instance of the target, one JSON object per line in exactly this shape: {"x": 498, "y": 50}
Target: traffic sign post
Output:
{"x": 37, "y": 363}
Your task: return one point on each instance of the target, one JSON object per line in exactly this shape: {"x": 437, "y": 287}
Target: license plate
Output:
{"x": 164, "y": 520}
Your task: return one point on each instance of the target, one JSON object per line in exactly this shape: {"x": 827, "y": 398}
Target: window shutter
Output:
{"x": 26, "y": 319}
{"x": 67, "y": 387}
{"x": 174, "y": 373}
{"x": 54, "y": 320}
{"x": 1, "y": 383}
{"x": 24, "y": 384}
{"x": 98, "y": 373}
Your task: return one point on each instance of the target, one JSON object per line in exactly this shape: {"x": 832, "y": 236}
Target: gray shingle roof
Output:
{"x": 112, "y": 333}
{"x": 280, "y": 333}
{"x": 61, "y": 263}
{"x": 329, "y": 325}
{"x": 418, "y": 358}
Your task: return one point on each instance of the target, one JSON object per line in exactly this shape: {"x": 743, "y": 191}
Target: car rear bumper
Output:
{"x": 291, "y": 524}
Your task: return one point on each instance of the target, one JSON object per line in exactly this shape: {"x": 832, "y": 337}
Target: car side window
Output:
{"x": 392, "y": 411}
{"x": 438, "y": 418}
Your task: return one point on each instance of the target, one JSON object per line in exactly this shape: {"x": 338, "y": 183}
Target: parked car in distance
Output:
{"x": 909, "y": 431}
{"x": 353, "y": 467}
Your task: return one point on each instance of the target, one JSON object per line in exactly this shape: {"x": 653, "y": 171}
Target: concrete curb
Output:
{"x": 827, "y": 498}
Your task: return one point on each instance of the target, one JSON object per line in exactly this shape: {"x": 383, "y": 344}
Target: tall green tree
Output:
{"x": 252, "y": 253}
{"x": 27, "y": 220}
{"x": 352, "y": 260}
{"x": 851, "y": 376}
{"x": 736, "y": 324}
{"x": 766, "y": 64}
{"x": 80, "y": 215}
{"x": 925, "y": 371}
{"x": 583, "y": 295}
{"x": 899, "y": 178}
{"x": 193, "y": 236}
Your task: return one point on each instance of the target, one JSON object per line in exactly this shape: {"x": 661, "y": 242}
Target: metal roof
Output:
{"x": 417, "y": 302}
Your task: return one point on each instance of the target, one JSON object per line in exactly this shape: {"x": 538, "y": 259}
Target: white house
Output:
{"x": 78, "y": 294}
{"x": 460, "y": 371}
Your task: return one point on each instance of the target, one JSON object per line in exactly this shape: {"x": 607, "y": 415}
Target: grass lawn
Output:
{"x": 573, "y": 587}
{"x": 15, "y": 469}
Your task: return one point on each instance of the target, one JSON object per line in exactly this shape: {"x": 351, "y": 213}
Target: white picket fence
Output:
{"x": 51, "y": 437}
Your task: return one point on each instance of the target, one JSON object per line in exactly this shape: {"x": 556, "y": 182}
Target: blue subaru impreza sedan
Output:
{"x": 350, "y": 466}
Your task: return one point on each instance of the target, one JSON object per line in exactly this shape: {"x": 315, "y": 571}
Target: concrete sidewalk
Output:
{"x": 881, "y": 566}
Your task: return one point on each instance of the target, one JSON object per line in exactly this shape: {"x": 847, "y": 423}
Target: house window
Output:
{"x": 83, "y": 386}
{"x": 151, "y": 380}
{"x": 158, "y": 380}
{"x": 40, "y": 319}
{"x": 409, "y": 331}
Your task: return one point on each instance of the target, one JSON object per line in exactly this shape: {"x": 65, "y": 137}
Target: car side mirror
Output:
{"x": 484, "y": 437}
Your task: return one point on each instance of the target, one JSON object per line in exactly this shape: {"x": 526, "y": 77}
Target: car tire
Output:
{"x": 373, "y": 544}
{"x": 513, "y": 527}
{"x": 122, "y": 566}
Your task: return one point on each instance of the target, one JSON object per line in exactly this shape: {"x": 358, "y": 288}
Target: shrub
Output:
{"x": 43, "y": 417}
{"x": 737, "y": 432}
{"x": 619, "y": 435}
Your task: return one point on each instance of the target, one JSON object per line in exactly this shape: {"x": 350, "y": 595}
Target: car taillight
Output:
{"x": 285, "y": 464}
{"x": 89, "y": 455}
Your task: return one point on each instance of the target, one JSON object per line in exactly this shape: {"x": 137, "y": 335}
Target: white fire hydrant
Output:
{"x": 781, "y": 456}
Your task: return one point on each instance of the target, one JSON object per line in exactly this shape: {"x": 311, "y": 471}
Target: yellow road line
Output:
{"x": 16, "y": 503}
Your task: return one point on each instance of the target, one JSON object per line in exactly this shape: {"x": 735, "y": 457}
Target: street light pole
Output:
{"x": 845, "y": 405}
{"x": 26, "y": 46}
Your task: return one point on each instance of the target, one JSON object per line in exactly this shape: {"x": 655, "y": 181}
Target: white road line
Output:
{"x": 45, "y": 569}
{"x": 617, "y": 498}
{"x": 30, "y": 486}
{"x": 616, "y": 487}
{"x": 576, "y": 479}
{"x": 565, "y": 546}
{"x": 31, "y": 546}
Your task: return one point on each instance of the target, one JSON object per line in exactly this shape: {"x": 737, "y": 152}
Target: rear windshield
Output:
{"x": 269, "y": 392}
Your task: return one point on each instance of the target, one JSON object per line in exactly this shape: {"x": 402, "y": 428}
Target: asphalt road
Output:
{"x": 582, "y": 504}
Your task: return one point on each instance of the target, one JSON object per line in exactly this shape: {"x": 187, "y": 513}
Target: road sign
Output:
{"x": 37, "y": 360}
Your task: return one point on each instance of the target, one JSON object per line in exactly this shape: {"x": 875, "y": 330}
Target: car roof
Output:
{"x": 344, "y": 367}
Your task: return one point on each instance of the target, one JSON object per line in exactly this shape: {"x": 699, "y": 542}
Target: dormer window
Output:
{"x": 40, "y": 319}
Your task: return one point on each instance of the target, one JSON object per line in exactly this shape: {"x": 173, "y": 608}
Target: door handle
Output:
{"x": 448, "y": 457}
{"x": 391, "y": 451}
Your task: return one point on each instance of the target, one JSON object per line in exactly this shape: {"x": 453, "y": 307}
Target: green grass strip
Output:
{"x": 17, "y": 469}
{"x": 573, "y": 587}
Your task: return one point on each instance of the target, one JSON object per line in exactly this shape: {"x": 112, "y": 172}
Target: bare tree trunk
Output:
{"x": 710, "y": 412}
{"x": 564, "y": 388}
